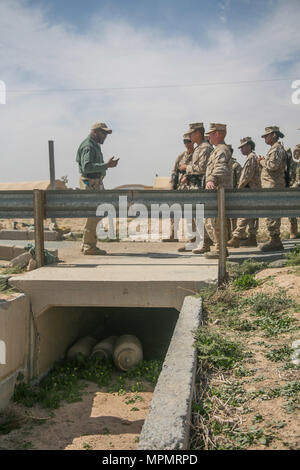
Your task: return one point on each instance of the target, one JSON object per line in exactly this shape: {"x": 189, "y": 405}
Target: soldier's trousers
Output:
{"x": 273, "y": 226}
{"x": 212, "y": 229}
{"x": 242, "y": 224}
{"x": 89, "y": 232}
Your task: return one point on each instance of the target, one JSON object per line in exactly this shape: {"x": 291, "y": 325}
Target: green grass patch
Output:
{"x": 278, "y": 355}
{"x": 65, "y": 381}
{"x": 247, "y": 267}
{"x": 215, "y": 351}
{"x": 245, "y": 282}
{"x": 293, "y": 258}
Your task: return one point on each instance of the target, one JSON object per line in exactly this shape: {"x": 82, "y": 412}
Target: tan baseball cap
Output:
{"x": 196, "y": 125}
{"x": 216, "y": 127}
{"x": 187, "y": 137}
{"x": 244, "y": 141}
{"x": 102, "y": 126}
{"x": 270, "y": 129}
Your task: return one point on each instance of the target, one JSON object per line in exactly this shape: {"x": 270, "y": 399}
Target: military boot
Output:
{"x": 93, "y": 250}
{"x": 187, "y": 247}
{"x": 294, "y": 228}
{"x": 214, "y": 254}
{"x": 206, "y": 246}
{"x": 234, "y": 242}
{"x": 273, "y": 245}
{"x": 250, "y": 241}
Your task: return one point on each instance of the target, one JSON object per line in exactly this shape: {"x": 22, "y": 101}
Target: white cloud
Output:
{"x": 148, "y": 124}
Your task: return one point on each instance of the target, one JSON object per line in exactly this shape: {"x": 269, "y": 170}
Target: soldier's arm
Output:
{"x": 247, "y": 173}
{"x": 198, "y": 166}
{"x": 87, "y": 162}
{"x": 275, "y": 159}
{"x": 221, "y": 169}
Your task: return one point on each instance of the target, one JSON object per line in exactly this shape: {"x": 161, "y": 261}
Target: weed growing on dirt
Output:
{"x": 293, "y": 258}
{"x": 65, "y": 381}
{"x": 279, "y": 355}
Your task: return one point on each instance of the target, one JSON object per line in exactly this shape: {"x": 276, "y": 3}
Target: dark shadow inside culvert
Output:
{"x": 60, "y": 327}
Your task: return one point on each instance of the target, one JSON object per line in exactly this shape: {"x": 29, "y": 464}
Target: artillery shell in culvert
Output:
{"x": 82, "y": 348}
{"x": 104, "y": 350}
{"x": 128, "y": 352}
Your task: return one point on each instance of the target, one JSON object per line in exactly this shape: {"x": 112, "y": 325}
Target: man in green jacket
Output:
{"x": 92, "y": 170}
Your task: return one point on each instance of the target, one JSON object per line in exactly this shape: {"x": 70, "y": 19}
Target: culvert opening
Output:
{"x": 60, "y": 327}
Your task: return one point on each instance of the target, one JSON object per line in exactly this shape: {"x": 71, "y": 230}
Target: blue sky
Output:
{"x": 111, "y": 44}
{"x": 168, "y": 16}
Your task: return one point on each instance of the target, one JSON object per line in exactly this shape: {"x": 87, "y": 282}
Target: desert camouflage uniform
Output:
{"x": 183, "y": 159}
{"x": 236, "y": 170}
{"x": 273, "y": 176}
{"x": 250, "y": 178}
{"x": 219, "y": 171}
{"x": 198, "y": 164}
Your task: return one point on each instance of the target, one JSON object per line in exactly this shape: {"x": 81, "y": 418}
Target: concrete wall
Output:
{"x": 14, "y": 334}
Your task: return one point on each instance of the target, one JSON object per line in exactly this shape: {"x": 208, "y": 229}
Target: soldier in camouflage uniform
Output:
{"x": 92, "y": 171}
{"x": 236, "y": 170}
{"x": 249, "y": 178}
{"x": 177, "y": 177}
{"x": 293, "y": 182}
{"x": 218, "y": 173}
{"x": 195, "y": 173}
{"x": 273, "y": 176}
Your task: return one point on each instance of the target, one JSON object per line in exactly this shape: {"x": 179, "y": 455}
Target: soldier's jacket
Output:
{"x": 250, "y": 176}
{"x": 237, "y": 170}
{"x": 295, "y": 168}
{"x": 273, "y": 167}
{"x": 90, "y": 159}
{"x": 219, "y": 167}
{"x": 183, "y": 159}
{"x": 200, "y": 158}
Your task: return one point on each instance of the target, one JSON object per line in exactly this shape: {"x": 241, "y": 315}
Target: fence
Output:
{"x": 233, "y": 203}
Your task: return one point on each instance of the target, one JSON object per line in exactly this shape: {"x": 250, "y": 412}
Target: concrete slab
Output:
{"x": 128, "y": 280}
{"x": 27, "y": 235}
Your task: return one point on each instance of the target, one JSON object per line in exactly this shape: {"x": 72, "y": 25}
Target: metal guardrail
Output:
{"x": 231, "y": 203}
{"x": 245, "y": 203}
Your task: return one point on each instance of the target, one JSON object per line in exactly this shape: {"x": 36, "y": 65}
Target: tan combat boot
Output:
{"x": 93, "y": 250}
{"x": 294, "y": 228}
{"x": 214, "y": 254}
{"x": 234, "y": 242}
{"x": 250, "y": 241}
{"x": 206, "y": 246}
{"x": 273, "y": 245}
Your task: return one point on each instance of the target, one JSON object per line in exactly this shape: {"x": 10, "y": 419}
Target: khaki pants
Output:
{"x": 273, "y": 226}
{"x": 212, "y": 229}
{"x": 242, "y": 224}
{"x": 89, "y": 232}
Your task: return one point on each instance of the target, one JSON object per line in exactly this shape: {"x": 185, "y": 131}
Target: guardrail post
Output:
{"x": 39, "y": 215}
{"x": 222, "y": 275}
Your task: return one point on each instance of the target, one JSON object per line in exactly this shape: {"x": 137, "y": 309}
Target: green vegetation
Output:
{"x": 293, "y": 258}
{"x": 65, "y": 381}
{"x": 221, "y": 398}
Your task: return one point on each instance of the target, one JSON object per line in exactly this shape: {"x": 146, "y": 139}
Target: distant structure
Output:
{"x": 133, "y": 186}
{"x": 162, "y": 182}
{"x": 30, "y": 185}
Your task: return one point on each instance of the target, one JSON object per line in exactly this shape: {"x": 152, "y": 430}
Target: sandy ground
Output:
{"x": 101, "y": 421}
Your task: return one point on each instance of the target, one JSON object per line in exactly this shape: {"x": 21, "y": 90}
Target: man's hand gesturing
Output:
{"x": 112, "y": 163}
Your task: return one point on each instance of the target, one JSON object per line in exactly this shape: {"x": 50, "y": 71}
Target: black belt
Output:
{"x": 92, "y": 175}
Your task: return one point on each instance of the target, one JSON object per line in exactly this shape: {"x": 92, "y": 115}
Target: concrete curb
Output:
{"x": 167, "y": 425}
{"x": 28, "y": 235}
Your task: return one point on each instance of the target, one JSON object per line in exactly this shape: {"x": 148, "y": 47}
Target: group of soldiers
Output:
{"x": 207, "y": 163}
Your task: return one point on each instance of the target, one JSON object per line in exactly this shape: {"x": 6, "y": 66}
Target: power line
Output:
{"x": 145, "y": 87}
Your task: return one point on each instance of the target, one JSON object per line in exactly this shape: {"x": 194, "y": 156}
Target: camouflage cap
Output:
{"x": 102, "y": 126}
{"x": 196, "y": 125}
{"x": 216, "y": 127}
{"x": 244, "y": 141}
{"x": 271, "y": 129}
{"x": 187, "y": 137}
